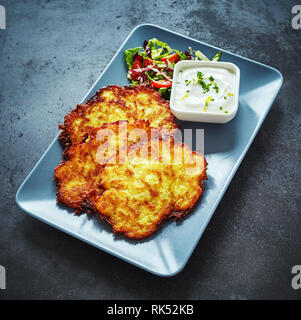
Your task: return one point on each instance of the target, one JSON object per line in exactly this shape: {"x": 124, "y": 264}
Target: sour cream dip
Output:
{"x": 205, "y": 91}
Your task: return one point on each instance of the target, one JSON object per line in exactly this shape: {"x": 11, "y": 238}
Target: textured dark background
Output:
{"x": 51, "y": 54}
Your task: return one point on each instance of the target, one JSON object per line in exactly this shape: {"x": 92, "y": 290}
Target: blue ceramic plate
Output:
{"x": 167, "y": 251}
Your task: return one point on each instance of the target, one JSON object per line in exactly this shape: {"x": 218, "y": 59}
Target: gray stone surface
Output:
{"x": 51, "y": 53}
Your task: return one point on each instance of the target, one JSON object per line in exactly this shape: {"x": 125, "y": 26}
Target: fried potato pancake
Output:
{"x": 158, "y": 179}
{"x": 115, "y": 103}
{"x": 78, "y": 177}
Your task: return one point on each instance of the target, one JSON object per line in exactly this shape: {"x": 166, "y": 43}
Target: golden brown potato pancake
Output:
{"x": 115, "y": 103}
{"x": 158, "y": 179}
{"x": 78, "y": 177}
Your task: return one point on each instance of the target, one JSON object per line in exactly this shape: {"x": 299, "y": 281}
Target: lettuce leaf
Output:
{"x": 165, "y": 93}
{"x": 134, "y": 83}
{"x": 217, "y": 57}
{"x": 159, "y": 49}
{"x": 129, "y": 56}
{"x": 200, "y": 55}
{"x": 181, "y": 54}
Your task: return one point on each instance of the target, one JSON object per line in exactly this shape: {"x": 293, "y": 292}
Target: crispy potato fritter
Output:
{"x": 78, "y": 177}
{"x": 115, "y": 103}
{"x": 158, "y": 179}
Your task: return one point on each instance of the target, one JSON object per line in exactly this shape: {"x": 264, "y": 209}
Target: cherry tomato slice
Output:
{"x": 161, "y": 83}
{"x": 172, "y": 58}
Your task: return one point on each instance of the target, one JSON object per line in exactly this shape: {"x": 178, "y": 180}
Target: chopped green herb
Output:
{"x": 216, "y": 87}
{"x": 221, "y": 108}
{"x": 211, "y": 79}
{"x": 202, "y": 82}
{"x": 226, "y": 111}
{"x": 200, "y": 75}
{"x": 186, "y": 96}
{"x": 208, "y": 100}
{"x": 225, "y": 98}
{"x": 206, "y": 88}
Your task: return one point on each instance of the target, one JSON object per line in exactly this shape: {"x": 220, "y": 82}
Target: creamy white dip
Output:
{"x": 205, "y": 89}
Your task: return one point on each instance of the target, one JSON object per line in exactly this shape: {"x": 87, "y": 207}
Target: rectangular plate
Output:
{"x": 167, "y": 251}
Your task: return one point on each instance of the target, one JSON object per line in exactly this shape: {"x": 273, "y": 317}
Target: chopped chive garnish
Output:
{"x": 186, "y": 96}
{"x": 230, "y": 94}
{"x": 211, "y": 79}
{"x": 216, "y": 87}
{"x": 226, "y": 111}
{"x": 200, "y": 75}
{"x": 221, "y": 108}
{"x": 208, "y": 100}
{"x": 204, "y": 85}
{"x": 225, "y": 98}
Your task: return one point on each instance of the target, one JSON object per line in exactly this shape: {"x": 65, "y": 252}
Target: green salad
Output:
{"x": 154, "y": 64}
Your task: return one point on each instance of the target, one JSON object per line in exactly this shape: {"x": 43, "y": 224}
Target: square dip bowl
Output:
{"x": 205, "y": 91}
